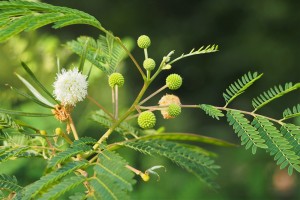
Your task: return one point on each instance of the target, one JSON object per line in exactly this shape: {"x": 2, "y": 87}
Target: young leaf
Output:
{"x": 211, "y": 111}
{"x": 249, "y": 135}
{"x": 238, "y": 87}
{"x": 278, "y": 146}
{"x": 105, "y": 53}
{"x": 12, "y": 153}
{"x": 28, "y": 15}
{"x": 291, "y": 113}
{"x": 272, "y": 94}
{"x": 7, "y": 122}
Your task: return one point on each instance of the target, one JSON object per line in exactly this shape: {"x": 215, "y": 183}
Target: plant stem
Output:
{"x": 100, "y": 106}
{"x": 71, "y": 123}
{"x": 124, "y": 116}
{"x": 130, "y": 55}
{"x": 153, "y": 94}
{"x": 116, "y": 102}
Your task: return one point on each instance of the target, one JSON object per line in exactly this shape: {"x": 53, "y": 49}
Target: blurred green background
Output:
{"x": 252, "y": 36}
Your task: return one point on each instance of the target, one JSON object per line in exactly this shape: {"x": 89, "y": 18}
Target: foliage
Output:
{"x": 89, "y": 168}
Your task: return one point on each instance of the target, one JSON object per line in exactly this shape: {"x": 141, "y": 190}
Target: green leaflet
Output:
{"x": 25, "y": 15}
{"x": 9, "y": 183}
{"x": 249, "y": 135}
{"x": 238, "y": 87}
{"x": 11, "y": 152}
{"x": 79, "y": 146}
{"x": 104, "y": 53}
{"x": 211, "y": 111}
{"x": 292, "y": 133}
{"x": 187, "y": 137}
{"x": 291, "y": 113}
{"x": 113, "y": 180}
{"x": 19, "y": 113}
{"x": 36, "y": 188}
{"x": 198, "y": 164}
{"x": 7, "y": 122}
{"x": 62, "y": 187}
{"x": 278, "y": 146}
{"x": 272, "y": 94}
{"x": 35, "y": 92}
{"x": 201, "y": 50}
{"x": 104, "y": 120}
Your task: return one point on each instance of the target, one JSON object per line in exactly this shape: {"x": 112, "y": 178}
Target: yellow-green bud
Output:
{"x": 116, "y": 79}
{"x": 146, "y": 120}
{"x": 149, "y": 64}
{"x": 173, "y": 81}
{"x": 43, "y": 132}
{"x": 174, "y": 110}
{"x": 144, "y": 41}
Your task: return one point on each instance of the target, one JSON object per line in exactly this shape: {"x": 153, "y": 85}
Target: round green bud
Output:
{"x": 149, "y": 64}
{"x": 174, "y": 110}
{"x": 116, "y": 79}
{"x": 146, "y": 120}
{"x": 173, "y": 81}
{"x": 144, "y": 41}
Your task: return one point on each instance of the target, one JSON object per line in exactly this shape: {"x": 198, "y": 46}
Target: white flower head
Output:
{"x": 70, "y": 87}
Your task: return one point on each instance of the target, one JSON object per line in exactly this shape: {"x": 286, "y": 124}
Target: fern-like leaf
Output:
{"x": 201, "y": 50}
{"x": 292, "y": 133}
{"x": 7, "y": 122}
{"x": 238, "y": 87}
{"x": 193, "y": 161}
{"x": 9, "y": 183}
{"x": 25, "y": 15}
{"x": 31, "y": 191}
{"x": 104, "y": 120}
{"x": 291, "y": 113}
{"x": 211, "y": 111}
{"x": 12, "y": 153}
{"x": 62, "y": 187}
{"x": 249, "y": 135}
{"x": 272, "y": 94}
{"x": 77, "y": 147}
{"x": 278, "y": 146}
{"x": 113, "y": 180}
{"x": 104, "y": 53}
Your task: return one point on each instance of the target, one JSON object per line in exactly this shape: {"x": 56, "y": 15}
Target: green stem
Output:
{"x": 123, "y": 117}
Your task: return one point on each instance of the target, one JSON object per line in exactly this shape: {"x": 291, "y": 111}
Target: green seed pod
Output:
{"x": 116, "y": 79}
{"x": 149, "y": 64}
{"x": 144, "y": 41}
{"x": 146, "y": 120}
{"x": 174, "y": 110}
{"x": 173, "y": 81}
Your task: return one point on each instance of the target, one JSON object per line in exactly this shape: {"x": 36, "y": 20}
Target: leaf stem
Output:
{"x": 153, "y": 94}
{"x": 100, "y": 106}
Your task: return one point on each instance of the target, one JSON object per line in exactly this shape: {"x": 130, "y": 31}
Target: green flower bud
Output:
{"x": 173, "y": 81}
{"x": 144, "y": 41}
{"x": 146, "y": 120}
{"x": 149, "y": 64}
{"x": 116, "y": 79}
{"x": 174, "y": 110}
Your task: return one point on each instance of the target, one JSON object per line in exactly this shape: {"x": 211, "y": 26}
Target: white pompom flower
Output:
{"x": 70, "y": 87}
